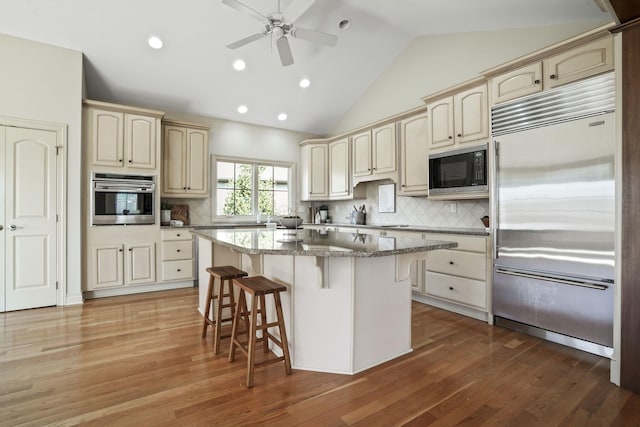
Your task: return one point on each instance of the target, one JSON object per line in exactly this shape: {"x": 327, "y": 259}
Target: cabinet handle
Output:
{"x": 119, "y": 250}
{"x": 537, "y": 82}
{"x": 450, "y": 288}
{"x": 450, "y": 137}
{"x": 552, "y": 76}
{"x": 459, "y": 135}
{"x": 130, "y": 249}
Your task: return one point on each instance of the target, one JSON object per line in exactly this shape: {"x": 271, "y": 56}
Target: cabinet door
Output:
{"x": 140, "y": 141}
{"x": 107, "y": 266}
{"x": 318, "y": 163}
{"x": 197, "y": 169}
{"x": 384, "y": 149}
{"x": 174, "y": 161}
{"x": 107, "y": 130}
{"x": 361, "y": 144}
{"x": 471, "y": 115}
{"x": 517, "y": 83}
{"x": 339, "y": 182}
{"x": 575, "y": 64}
{"x": 141, "y": 263}
{"x": 414, "y": 159}
{"x": 440, "y": 123}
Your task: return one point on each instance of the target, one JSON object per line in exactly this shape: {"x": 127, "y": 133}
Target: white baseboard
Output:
{"x": 460, "y": 309}
{"x": 74, "y": 299}
{"x": 138, "y": 289}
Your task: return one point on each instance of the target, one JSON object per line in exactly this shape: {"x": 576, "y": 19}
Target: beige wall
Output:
{"x": 44, "y": 83}
{"x": 433, "y": 63}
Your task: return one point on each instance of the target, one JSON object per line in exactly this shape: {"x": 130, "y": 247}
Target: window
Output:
{"x": 244, "y": 188}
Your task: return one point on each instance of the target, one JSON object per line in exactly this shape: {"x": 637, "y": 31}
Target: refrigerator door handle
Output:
{"x": 552, "y": 279}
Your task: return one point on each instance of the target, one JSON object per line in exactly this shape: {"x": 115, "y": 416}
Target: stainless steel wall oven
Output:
{"x": 122, "y": 199}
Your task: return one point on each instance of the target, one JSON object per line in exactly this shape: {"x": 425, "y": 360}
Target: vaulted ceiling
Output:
{"x": 193, "y": 72}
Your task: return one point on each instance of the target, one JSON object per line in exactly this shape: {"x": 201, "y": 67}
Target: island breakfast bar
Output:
{"x": 348, "y": 302}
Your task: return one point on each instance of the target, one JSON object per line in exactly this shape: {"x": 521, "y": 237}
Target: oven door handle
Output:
{"x": 115, "y": 189}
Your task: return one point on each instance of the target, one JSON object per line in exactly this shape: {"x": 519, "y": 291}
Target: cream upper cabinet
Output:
{"x": 120, "y": 137}
{"x": 457, "y": 119}
{"x": 440, "y": 129}
{"x": 314, "y": 170}
{"x": 375, "y": 153}
{"x": 514, "y": 84}
{"x": 414, "y": 159}
{"x": 565, "y": 67}
{"x": 185, "y": 160}
{"x": 339, "y": 169}
{"x": 361, "y": 144}
{"x": 384, "y": 149}
{"x": 580, "y": 62}
{"x": 471, "y": 114}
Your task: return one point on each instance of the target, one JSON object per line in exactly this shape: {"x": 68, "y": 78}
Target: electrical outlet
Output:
{"x": 454, "y": 207}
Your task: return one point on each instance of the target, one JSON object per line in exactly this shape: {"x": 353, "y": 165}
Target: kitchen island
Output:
{"x": 348, "y": 302}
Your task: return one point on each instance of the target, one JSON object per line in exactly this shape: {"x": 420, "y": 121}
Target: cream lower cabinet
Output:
{"x": 185, "y": 160}
{"x": 116, "y": 265}
{"x": 177, "y": 255}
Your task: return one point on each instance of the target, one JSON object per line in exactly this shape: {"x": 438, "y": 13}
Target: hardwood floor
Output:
{"x": 139, "y": 360}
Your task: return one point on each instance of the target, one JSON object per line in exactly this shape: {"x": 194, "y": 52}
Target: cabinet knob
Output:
{"x": 184, "y": 188}
{"x": 451, "y": 262}
{"x": 178, "y": 250}
{"x": 552, "y": 76}
{"x": 178, "y": 235}
{"x": 181, "y": 270}
{"x": 120, "y": 160}
{"x": 119, "y": 250}
{"x": 188, "y": 188}
{"x": 130, "y": 249}
{"x": 459, "y": 135}
{"x": 537, "y": 82}
{"x": 403, "y": 185}
{"x": 450, "y": 137}
{"x": 450, "y": 288}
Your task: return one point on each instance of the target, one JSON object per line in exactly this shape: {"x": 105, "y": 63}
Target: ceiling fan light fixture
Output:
{"x": 155, "y": 42}
{"x": 282, "y": 117}
{"x": 239, "y": 65}
{"x": 242, "y": 109}
{"x": 305, "y": 82}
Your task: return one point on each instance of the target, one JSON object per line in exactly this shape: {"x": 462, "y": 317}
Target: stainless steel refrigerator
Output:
{"x": 555, "y": 212}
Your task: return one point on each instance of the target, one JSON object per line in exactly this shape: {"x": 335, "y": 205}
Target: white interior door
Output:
{"x": 3, "y": 230}
{"x": 30, "y": 218}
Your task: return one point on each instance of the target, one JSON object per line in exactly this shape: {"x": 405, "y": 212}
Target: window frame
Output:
{"x": 255, "y": 189}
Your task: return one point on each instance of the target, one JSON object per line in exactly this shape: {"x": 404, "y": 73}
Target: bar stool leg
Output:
{"x": 283, "y": 333}
{"x": 218, "y": 326}
{"x": 263, "y": 319}
{"x": 234, "y": 326}
{"x": 252, "y": 341}
{"x": 207, "y": 309}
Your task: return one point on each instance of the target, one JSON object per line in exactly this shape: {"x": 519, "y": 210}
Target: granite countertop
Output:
{"x": 415, "y": 228}
{"x": 317, "y": 243}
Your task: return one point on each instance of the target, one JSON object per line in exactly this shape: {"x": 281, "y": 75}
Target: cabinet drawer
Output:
{"x": 177, "y": 270}
{"x": 458, "y": 289}
{"x": 181, "y": 234}
{"x": 465, "y": 243}
{"x": 177, "y": 250}
{"x": 464, "y": 264}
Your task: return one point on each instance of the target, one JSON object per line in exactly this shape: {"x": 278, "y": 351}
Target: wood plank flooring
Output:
{"x": 139, "y": 360}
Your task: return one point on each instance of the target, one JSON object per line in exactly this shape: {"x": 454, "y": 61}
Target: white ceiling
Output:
{"x": 193, "y": 72}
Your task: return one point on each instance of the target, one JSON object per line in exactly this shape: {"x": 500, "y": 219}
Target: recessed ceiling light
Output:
{"x": 242, "y": 109}
{"x": 282, "y": 116}
{"x": 155, "y": 42}
{"x": 344, "y": 24}
{"x": 305, "y": 82}
{"x": 239, "y": 65}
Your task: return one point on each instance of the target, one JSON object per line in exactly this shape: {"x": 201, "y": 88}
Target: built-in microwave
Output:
{"x": 122, "y": 199}
{"x": 459, "y": 171}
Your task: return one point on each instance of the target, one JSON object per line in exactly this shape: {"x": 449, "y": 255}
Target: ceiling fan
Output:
{"x": 278, "y": 27}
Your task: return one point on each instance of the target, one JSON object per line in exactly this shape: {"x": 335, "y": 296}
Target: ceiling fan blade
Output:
{"x": 296, "y": 8}
{"x": 246, "y": 9}
{"x": 246, "y": 40}
{"x": 286, "y": 58}
{"x": 314, "y": 36}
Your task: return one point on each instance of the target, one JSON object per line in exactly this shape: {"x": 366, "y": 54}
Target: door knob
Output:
{"x": 14, "y": 227}
{"x": 1, "y": 228}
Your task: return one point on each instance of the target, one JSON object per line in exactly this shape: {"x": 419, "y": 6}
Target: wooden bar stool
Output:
{"x": 225, "y": 274}
{"x": 258, "y": 287}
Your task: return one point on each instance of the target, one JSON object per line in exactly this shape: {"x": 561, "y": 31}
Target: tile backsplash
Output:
{"x": 419, "y": 211}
